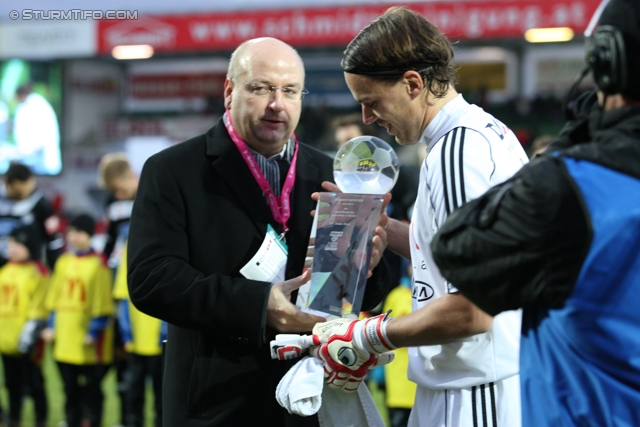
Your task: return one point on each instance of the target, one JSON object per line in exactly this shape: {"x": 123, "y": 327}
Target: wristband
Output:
{"x": 372, "y": 334}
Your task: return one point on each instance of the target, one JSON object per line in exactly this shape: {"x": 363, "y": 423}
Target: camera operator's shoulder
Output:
{"x": 544, "y": 179}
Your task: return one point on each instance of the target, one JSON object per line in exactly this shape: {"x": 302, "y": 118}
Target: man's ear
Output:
{"x": 228, "y": 88}
{"x": 414, "y": 83}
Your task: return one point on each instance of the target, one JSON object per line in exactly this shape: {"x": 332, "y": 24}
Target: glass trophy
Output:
{"x": 365, "y": 168}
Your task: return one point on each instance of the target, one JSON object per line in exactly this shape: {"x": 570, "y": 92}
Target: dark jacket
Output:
{"x": 34, "y": 209}
{"x": 118, "y": 215}
{"x": 198, "y": 218}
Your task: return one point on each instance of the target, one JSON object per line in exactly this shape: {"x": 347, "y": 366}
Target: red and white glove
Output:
{"x": 350, "y": 347}
{"x": 291, "y": 346}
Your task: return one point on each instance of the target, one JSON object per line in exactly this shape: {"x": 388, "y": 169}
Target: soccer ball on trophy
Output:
{"x": 366, "y": 165}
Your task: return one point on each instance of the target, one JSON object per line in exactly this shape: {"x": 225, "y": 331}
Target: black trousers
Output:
{"x": 399, "y": 417}
{"x": 1, "y": 413}
{"x": 83, "y": 398}
{"x": 121, "y": 365}
{"x": 141, "y": 368}
{"x": 24, "y": 378}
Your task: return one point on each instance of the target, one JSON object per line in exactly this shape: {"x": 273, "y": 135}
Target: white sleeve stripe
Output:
{"x": 449, "y": 168}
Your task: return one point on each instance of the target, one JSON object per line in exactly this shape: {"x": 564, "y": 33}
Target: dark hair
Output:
{"x": 402, "y": 40}
{"x": 83, "y": 222}
{"x": 356, "y": 120}
{"x": 18, "y": 172}
{"x": 31, "y": 237}
{"x": 24, "y": 89}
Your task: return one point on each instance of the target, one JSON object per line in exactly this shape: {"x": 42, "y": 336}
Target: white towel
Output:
{"x": 301, "y": 391}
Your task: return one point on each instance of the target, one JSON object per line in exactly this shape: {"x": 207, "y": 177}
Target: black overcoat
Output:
{"x": 198, "y": 218}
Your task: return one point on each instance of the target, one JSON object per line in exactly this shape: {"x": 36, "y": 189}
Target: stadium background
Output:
{"x": 140, "y": 106}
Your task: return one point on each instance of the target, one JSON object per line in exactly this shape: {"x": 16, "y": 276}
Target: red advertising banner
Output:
{"x": 175, "y": 85}
{"x": 336, "y": 26}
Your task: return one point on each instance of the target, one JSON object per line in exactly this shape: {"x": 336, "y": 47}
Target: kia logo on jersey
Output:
{"x": 422, "y": 291}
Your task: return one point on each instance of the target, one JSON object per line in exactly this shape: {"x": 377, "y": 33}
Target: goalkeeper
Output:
{"x": 400, "y": 69}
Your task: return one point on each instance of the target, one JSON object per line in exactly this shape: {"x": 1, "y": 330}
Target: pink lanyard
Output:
{"x": 280, "y": 206}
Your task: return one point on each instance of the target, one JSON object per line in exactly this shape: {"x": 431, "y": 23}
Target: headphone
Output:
{"x": 606, "y": 58}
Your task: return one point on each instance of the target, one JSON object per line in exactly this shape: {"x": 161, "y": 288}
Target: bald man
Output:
{"x": 203, "y": 209}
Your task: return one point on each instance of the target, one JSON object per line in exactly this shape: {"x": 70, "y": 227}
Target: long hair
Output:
{"x": 398, "y": 41}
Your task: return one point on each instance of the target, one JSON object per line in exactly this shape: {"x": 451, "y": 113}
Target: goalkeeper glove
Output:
{"x": 350, "y": 347}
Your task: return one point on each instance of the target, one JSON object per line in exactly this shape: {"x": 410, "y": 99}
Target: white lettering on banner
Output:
{"x": 295, "y": 26}
{"x": 158, "y": 38}
{"x": 199, "y": 31}
{"x": 245, "y": 29}
{"x": 222, "y": 30}
{"x": 145, "y": 31}
{"x": 476, "y": 21}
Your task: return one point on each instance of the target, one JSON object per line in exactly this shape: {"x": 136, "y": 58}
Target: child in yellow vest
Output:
{"x": 81, "y": 307}
{"x": 23, "y": 285}
{"x": 142, "y": 336}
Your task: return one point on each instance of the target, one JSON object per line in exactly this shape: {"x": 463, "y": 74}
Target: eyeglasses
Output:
{"x": 265, "y": 89}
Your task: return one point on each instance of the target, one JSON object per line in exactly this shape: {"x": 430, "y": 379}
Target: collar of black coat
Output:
{"x": 218, "y": 140}
{"x": 615, "y": 140}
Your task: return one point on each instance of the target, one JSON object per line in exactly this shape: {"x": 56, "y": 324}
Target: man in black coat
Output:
{"x": 201, "y": 213}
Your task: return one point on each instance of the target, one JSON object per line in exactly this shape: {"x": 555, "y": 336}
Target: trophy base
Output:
{"x": 343, "y": 230}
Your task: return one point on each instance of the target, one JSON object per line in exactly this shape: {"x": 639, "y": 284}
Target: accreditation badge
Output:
{"x": 270, "y": 262}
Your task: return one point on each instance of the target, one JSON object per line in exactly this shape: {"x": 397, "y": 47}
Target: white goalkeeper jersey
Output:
{"x": 468, "y": 151}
